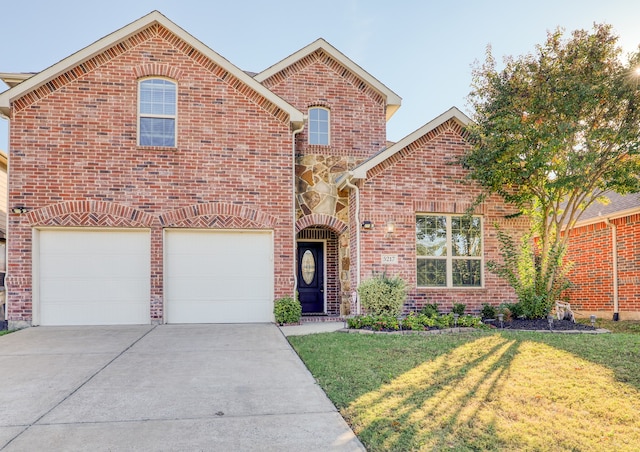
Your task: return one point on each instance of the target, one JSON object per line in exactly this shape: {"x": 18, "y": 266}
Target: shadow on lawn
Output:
{"x": 500, "y": 391}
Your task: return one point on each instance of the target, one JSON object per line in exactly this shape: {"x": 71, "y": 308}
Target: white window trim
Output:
{"x": 318, "y": 107}
{"x": 150, "y": 115}
{"x": 450, "y": 257}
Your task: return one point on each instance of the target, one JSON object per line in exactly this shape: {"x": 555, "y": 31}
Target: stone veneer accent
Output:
{"x": 316, "y": 189}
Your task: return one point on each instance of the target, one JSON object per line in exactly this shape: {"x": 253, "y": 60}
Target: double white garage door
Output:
{"x": 102, "y": 277}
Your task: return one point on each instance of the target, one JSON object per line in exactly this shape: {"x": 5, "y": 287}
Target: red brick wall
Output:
{"x": 357, "y": 118}
{"x": 592, "y": 277}
{"x": 629, "y": 265}
{"x": 425, "y": 179}
{"x": 76, "y": 141}
{"x": 592, "y": 273}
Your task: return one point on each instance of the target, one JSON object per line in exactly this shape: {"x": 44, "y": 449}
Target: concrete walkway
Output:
{"x": 167, "y": 387}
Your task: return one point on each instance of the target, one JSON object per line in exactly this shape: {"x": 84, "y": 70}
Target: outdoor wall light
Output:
{"x": 19, "y": 209}
{"x": 367, "y": 224}
{"x": 391, "y": 227}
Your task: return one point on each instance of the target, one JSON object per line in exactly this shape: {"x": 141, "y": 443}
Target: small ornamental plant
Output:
{"x": 383, "y": 295}
{"x": 287, "y": 310}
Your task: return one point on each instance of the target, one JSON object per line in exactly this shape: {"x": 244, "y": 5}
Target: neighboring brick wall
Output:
{"x": 424, "y": 178}
{"x": 591, "y": 251}
{"x": 629, "y": 265}
{"x": 74, "y": 141}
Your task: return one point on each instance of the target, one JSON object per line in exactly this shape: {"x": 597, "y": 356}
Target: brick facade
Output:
{"x": 592, "y": 277}
{"x": 74, "y": 159}
{"x": 75, "y": 162}
{"x": 423, "y": 178}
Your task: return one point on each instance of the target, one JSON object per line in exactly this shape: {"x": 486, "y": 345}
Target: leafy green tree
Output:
{"x": 554, "y": 131}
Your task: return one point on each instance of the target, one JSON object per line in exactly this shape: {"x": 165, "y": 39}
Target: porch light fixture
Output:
{"x": 367, "y": 224}
{"x": 391, "y": 227}
{"x": 19, "y": 209}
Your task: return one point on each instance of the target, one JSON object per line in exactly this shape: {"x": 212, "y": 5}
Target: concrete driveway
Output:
{"x": 167, "y": 387}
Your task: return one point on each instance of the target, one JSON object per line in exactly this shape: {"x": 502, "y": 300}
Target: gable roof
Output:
{"x": 360, "y": 171}
{"x": 29, "y": 84}
{"x": 392, "y": 100}
{"x": 12, "y": 79}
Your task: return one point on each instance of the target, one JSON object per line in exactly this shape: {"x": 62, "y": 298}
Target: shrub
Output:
{"x": 287, "y": 310}
{"x": 383, "y": 295}
{"x": 385, "y": 322}
{"x": 514, "y": 310}
{"x": 429, "y": 321}
{"x": 429, "y": 309}
{"x": 413, "y": 322}
{"x": 469, "y": 321}
{"x": 536, "y": 306}
{"x": 444, "y": 321}
{"x": 488, "y": 311}
{"x": 458, "y": 308}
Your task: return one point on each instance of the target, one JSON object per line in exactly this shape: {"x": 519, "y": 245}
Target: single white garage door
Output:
{"x": 93, "y": 276}
{"x": 218, "y": 276}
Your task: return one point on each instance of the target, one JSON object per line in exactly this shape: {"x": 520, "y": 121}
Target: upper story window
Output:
{"x": 449, "y": 251}
{"x": 319, "y": 126}
{"x": 157, "y": 112}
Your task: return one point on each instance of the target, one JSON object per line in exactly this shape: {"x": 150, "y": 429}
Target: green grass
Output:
{"x": 482, "y": 390}
{"x": 3, "y": 332}
{"x": 627, "y": 326}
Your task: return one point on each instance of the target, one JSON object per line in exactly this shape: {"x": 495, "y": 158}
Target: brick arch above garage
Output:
{"x": 217, "y": 215}
{"x": 90, "y": 213}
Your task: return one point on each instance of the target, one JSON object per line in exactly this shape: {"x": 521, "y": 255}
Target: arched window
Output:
{"x": 157, "y": 101}
{"x": 319, "y": 126}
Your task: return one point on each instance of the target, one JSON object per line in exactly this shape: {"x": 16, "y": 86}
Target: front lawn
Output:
{"x": 482, "y": 390}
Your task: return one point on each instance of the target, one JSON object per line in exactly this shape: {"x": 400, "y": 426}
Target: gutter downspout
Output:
{"x": 349, "y": 184}
{"x": 614, "y": 256}
{"x": 293, "y": 208}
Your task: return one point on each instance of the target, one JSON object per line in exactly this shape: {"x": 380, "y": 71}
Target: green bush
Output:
{"x": 511, "y": 310}
{"x": 385, "y": 322}
{"x": 413, "y": 322}
{"x": 429, "y": 309}
{"x": 469, "y": 321}
{"x": 536, "y": 306}
{"x": 458, "y": 308}
{"x": 383, "y": 295}
{"x": 444, "y": 321}
{"x": 287, "y": 310}
{"x": 488, "y": 311}
{"x": 359, "y": 321}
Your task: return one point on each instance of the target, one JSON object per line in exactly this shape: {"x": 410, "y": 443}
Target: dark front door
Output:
{"x": 311, "y": 276}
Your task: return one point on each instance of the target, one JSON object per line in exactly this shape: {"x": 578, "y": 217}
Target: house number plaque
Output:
{"x": 389, "y": 259}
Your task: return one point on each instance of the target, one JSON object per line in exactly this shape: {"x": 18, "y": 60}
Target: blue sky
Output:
{"x": 421, "y": 49}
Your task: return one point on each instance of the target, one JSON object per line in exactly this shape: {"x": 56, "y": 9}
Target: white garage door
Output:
{"x": 218, "y": 276}
{"x": 93, "y": 277}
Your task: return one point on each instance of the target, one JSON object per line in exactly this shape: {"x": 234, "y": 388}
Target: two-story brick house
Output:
{"x": 151, "y": 180}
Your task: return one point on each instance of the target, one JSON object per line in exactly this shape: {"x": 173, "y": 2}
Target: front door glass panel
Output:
{"x": 308, "y": 265}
